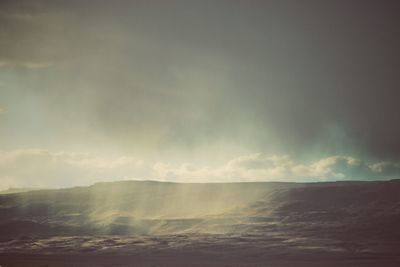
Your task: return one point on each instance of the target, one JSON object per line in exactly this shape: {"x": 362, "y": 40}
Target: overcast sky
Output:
{"x": 198, "y": 91}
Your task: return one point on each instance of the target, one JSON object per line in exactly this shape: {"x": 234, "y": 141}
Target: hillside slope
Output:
{"x": 247, "y": 222}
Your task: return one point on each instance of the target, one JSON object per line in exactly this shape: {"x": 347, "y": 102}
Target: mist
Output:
{"x": 199, "y": 133}
{"x": 200, "y": 83}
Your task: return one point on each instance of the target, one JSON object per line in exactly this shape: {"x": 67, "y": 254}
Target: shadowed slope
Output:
{"x": 132, "y": 207}
{"x": 326, "y": 224}
{"x": 143, "y": 207}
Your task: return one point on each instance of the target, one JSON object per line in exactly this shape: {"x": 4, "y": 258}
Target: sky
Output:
{"x": 198, "y": 91}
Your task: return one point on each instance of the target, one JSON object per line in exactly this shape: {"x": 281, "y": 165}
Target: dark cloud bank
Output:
{"x": 310, "y": 79}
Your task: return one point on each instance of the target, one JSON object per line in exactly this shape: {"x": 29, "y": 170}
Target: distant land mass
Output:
{"x": 13, "y": 190}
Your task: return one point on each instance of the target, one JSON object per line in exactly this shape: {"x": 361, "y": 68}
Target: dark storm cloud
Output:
{"x": 295, "y": 77}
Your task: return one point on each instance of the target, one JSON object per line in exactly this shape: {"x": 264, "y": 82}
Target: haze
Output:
{"x": 198, "y": 91}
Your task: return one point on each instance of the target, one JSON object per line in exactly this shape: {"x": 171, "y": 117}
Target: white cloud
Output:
{"x": 386, "y": 168}
{"x": 43, "y": 168}
{"x": 259, "y": 167}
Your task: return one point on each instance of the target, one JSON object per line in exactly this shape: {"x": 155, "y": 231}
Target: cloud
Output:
{"x": 260, "y": 167}
{"x": 36, "y": 36}
{"x": 43, "y": 168}
{"x": 386, "y": 169}
{"x": 95, "y": 68}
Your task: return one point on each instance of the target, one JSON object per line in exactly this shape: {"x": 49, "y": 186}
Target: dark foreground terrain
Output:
{"x": 238, "y": 224}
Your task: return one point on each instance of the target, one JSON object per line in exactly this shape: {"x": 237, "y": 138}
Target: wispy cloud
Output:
{"x": 43, "y": 168}
{"x": 260, "y": 167}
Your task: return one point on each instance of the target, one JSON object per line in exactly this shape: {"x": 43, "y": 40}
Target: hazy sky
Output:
{"x": 198, "y": 91}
